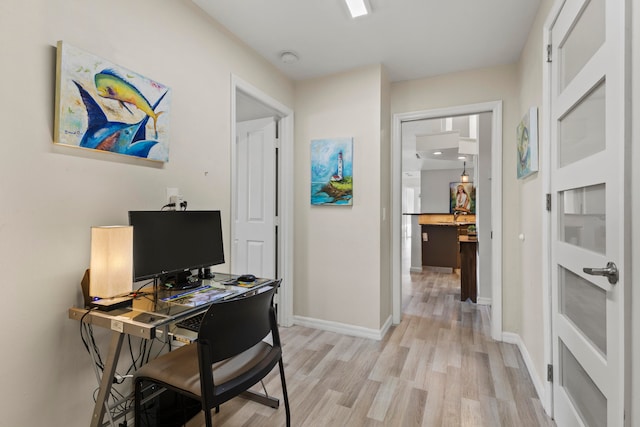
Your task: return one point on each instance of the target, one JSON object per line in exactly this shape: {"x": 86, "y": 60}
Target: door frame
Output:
{"x": 494, "y": 107}
{"x": 284, "y": 189}
{"x": 545, "y": 173}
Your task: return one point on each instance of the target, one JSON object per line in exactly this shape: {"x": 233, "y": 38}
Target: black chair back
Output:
{"x": 234, "y": 326}
{"x": 230, "y": 328}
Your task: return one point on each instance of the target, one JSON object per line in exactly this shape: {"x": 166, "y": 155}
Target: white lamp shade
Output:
{"x": 111, "y": 271}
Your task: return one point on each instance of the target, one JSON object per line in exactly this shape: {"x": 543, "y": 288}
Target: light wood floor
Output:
{"x": 438, "y": 367}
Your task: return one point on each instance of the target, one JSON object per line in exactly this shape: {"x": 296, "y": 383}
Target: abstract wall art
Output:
{"x": 102, "y": 106}
{"x": 527, "y": 143}
{"x": 332, "y": 171}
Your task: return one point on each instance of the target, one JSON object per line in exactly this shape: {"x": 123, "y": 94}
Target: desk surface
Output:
{"x": 154, "y": 308}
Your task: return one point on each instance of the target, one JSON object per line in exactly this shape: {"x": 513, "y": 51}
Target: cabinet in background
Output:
{"x": 440, "y": 246}
{"x": 468, "y": 256}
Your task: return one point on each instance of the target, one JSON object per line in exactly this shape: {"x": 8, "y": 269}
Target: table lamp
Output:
{"x": 111, "y": 271}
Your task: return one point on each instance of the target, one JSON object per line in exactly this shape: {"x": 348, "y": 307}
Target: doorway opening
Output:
{"x": 494, "y": 181}
{"x": 249, "y": 104}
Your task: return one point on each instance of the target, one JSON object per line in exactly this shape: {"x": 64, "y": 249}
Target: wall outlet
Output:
{"x": 176, "y": 200}
{"x": 172, "y": 191}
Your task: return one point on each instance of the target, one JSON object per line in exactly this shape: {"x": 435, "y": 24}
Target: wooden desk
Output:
{"x": 150, "y": 313}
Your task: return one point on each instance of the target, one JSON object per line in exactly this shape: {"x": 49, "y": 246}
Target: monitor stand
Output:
{"x": 205, "y": 273}
{"x": 182, "y": 281}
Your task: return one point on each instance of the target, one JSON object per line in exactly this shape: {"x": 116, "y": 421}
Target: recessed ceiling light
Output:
{"x": 437, "y": 153}
{"x": 358, "y": 7}
{"x": 288, "y": 57}
{"x": 462, "y": 158}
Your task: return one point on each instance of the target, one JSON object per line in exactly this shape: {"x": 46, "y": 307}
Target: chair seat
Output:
{"x": 179, "y": 368}
{"x": 229, "y": 357}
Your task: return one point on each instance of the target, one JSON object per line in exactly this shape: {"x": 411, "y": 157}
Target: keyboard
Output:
{"x": 192, "y": 323}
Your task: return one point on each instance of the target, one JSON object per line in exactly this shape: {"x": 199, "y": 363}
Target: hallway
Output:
{"x": 439, "y": 367}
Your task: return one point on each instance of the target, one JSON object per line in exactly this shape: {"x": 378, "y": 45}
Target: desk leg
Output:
{"x": 107, "y": 378}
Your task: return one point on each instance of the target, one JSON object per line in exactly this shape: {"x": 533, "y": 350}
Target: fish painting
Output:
{"x": 104, "y": 107}
{"x": 110, "y": 85}
{"x": 116, "y": 137}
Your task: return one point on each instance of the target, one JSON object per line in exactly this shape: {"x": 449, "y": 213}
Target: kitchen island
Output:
{"x": 439, "y": 235}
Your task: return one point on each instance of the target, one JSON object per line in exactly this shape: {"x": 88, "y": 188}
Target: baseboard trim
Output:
{"x": 343, "y": 328}
{"x": 415, "y": 270}
{"x": 484, "y": 301}
{"x": 445, "y": 270}
{"x": 513, "y": 338}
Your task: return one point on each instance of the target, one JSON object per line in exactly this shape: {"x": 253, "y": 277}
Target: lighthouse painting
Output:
{"x": 332, "y": 171}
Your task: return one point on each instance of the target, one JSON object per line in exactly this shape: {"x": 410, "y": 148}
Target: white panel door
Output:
{"x": 254, "y": 240}
{"x": 588, "y": 206}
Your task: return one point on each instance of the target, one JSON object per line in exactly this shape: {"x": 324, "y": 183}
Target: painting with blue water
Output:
{"x": 332, "y": 171}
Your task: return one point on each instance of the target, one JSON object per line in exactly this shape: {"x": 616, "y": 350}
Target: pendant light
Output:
{"x": 464, "y": 177}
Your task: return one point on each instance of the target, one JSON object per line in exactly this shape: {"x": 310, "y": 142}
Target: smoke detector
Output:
{"x": 288, "y": 57}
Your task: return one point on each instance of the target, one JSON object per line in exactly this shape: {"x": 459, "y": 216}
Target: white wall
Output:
{"x": 338, "y": 248}
{"x": 51, "y": 196}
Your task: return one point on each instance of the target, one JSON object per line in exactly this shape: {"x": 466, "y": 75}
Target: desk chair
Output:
{"x": 228, "y": 358}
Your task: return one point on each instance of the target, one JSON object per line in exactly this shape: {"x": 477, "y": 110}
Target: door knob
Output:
{"x": 610, "y": 271}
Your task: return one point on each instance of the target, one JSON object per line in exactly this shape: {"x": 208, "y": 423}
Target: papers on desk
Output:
{"x": 199, "y": 296}
{"x": 247, "y": 285}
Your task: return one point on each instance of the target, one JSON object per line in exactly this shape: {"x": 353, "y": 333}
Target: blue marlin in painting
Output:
{"x": 116, "y": 137}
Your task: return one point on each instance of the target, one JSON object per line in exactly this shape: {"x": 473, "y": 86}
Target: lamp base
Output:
{"x": 109, "y": 304}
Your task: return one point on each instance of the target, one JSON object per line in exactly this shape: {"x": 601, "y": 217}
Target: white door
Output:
{"x": 587, "y": 214}
{"x": 254, "y": 240}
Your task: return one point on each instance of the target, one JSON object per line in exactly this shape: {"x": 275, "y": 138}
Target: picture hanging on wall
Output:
{"x": 462, "y": 197}
{"x": 527, "y": 143}
{"x": 102, "y": 106}
{"x": 332, "y": 171}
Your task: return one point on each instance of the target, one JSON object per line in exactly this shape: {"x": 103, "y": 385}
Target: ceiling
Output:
{"x": 411, "y": 38}
{"x": 422, "y": 138}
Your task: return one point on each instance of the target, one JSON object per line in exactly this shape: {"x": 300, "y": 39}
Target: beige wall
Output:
{"x": 51, "y": 196}
{"x": 385, "y": 199}
{"x": 530, "y": 196}
{"x": 337, "y": 248}
{"x": 471, "y": 87}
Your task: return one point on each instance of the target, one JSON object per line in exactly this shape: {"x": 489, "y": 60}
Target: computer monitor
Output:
{"x": 170, "y": 244}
